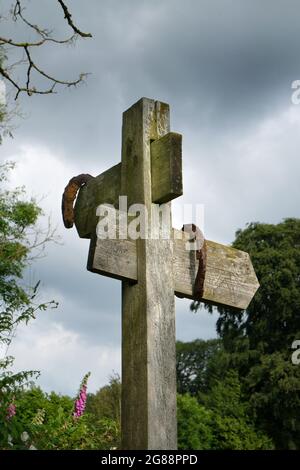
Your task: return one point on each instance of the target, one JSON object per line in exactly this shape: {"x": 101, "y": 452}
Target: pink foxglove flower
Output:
{"x": 11, "y": 411}
{"x": 80, "y": 402}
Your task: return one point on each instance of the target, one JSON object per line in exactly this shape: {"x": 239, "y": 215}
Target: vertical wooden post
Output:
{"x": 148, "y": 310}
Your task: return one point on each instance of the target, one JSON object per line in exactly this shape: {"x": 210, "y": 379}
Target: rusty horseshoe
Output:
{"x": 69, "y": 196}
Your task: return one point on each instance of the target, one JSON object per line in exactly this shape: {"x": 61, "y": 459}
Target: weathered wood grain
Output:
{"x": 148, "y": 307}
{"x": 152, "y": 270}
{"x": 103, "y": 189}
{"x": 115, "y": 258}
{"x": 166, "y": 183}
{"x": 166, "y": 168}
{"x": 230, "y": 278}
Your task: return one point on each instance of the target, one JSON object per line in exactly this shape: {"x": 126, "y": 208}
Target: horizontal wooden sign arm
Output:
{"x": 229, "y": 278}
{"x": 103, "y": 189}
{"x": 166, "y": 179}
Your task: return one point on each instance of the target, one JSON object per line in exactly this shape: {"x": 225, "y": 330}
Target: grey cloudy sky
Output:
{"x": 226, "y": 69}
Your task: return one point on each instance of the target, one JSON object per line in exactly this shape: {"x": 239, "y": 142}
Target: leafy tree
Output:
{"x": 197, "y": 362}
{"x": 220, "y": 422}
{"x": 233, "y": 428}
{"x": 217, "y": 416}
{"x": 259, "y": 340}
{"x": 106, "y": 403}
{"x": 194, "y": 424}
{"x": 19, "y": 238}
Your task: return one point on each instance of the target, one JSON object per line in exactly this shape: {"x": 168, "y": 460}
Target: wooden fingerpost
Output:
{"x": 148, "y": 309}
{"x": 152, "y": 269}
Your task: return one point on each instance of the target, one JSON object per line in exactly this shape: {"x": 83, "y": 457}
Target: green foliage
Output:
{"x": 18, "y": 239}
{"x": 231, "y": 422}
{"x": 217, "y": 416}
{"x": 17, "y": 221}
{"x": 194, "y": 364}
{"x": 194, "y": 424}
{"x": 48, "y": 419}
{"x": 259, "y": 340}
{"x": 46, "y": 422}
{"x": 106, "y": 403}
{"x": 104, "y": 412}
{"x": 218, "y": 419}
{"x": 31, "y": 401}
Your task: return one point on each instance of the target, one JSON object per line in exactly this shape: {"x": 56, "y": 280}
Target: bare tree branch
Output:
{"x": 10, "y": 42}
{"x": 44, "y": 37}
{"x": 18, "y": 12}
{"x": 68, "y": 17}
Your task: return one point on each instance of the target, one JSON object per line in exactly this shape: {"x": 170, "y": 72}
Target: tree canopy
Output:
{"x": 258, "y": 342}
{"x": 195, "y": 364}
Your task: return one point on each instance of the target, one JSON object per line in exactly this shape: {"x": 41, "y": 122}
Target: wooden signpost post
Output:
{"x": 153, "y": 269}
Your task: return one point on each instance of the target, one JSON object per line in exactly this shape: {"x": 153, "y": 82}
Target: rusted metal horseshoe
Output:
{"x": 69, "y": 196}
{"x": 200, "y": 248}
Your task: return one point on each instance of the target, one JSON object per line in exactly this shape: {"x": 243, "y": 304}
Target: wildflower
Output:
{"x": 80, "y": 402}
{"x": 11, "y": 411}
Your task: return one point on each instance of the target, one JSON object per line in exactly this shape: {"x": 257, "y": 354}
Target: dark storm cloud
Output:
{"x": 220, "y": 65}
